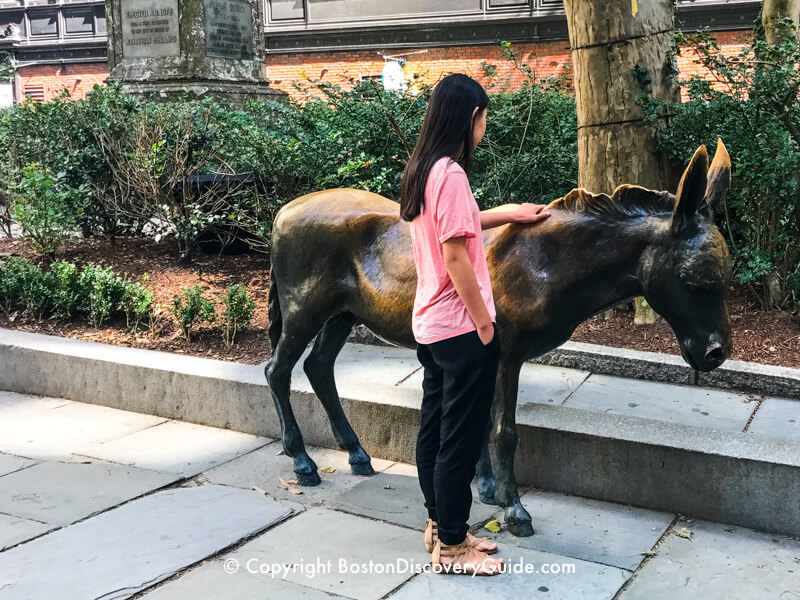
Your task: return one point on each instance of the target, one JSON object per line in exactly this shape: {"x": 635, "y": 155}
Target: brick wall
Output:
{"x": 78, "y": 78}
{"x": 548, "y": 59}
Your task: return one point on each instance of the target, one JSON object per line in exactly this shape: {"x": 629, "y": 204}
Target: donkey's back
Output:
{"x": 346, "y": 250}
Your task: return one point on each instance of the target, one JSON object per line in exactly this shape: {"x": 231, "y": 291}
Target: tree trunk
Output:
{"x": 609, "y": 40}
{"x": 771, "y": 10}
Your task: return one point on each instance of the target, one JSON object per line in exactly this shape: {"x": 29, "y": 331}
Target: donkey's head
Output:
{"x": 686, "y": 273}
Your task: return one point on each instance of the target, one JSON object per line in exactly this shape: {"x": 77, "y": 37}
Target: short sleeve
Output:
{"x": 454, "y": 207}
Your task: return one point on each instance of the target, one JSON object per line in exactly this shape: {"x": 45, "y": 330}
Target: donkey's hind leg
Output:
{"x": 318, "y": 366}
{"x": 288, "y": 350}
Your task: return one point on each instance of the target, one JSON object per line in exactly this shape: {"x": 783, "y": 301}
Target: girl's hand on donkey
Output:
{"x": 528, "y": 212}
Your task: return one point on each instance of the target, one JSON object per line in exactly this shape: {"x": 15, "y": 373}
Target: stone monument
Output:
{"x": 179, "y": 49}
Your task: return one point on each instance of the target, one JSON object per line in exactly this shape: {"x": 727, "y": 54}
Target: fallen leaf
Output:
{"x": 493, "y": 526}
{"x": 649, "y": 553}
{"x": 327, "y": 469}
{"x": 287, "y": 485}
{"x": 684, "y": 533}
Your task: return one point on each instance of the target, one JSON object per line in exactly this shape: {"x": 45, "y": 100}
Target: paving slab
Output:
{"x": 183, "y": 449}
{"x": 134, "y": 546}
{"x": 331, "y": 552}
{"x": 537, "y": 383}
{"x": 394, "y": 496}
{"x": 720, "y": 561}
{"x": 54, "y": 433}
{"x": 687, "y": 405}
{"x": 777, "y": 417}
{"x": 15, "y": 530}
{"x": 60, "y": 493}
{"x": 601, "y": 532}
{"x": 567, "y": 579}
{"x": 13, "y": 404}
{"x": 10, "y": 463}
{"x": 264, "y": 467}
{"x": 383, "y": 365}
{"x": 211, "y": 581}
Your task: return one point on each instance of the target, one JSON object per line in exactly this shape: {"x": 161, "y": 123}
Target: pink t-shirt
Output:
{"x": 449, "y": 210}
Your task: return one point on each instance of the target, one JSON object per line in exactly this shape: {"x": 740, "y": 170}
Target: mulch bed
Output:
{"x": 770, "y": 337}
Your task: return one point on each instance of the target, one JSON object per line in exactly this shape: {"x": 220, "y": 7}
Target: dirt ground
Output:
{"x": 767, "y": 337}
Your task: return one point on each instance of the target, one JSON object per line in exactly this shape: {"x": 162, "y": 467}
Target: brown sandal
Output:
{"x": 431, "y": 535}
{"x": 464, "y": 560}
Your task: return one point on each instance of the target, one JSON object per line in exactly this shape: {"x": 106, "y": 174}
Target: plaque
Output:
{"x": 229, "y": 29}
{"x": 150, "y": 28}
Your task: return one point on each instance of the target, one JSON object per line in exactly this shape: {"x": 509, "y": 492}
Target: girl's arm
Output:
{"x": 526, "y": 212}
{"x": 462, "y": 274}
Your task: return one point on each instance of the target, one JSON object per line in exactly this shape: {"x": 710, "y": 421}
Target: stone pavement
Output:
{"x": 97, "y": 503}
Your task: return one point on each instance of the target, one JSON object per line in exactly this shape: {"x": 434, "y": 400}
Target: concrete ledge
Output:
{"x": 749, "y": 377}
{"x": 737, "y": 478}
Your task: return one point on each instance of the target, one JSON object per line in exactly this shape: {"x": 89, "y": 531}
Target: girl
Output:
{"x": 453, "y": 319}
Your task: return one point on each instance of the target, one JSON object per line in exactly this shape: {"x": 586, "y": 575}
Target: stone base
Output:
{"x": 235, "y": 92}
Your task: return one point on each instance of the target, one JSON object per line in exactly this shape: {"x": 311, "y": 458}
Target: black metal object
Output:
{"x": 225, "y": 238}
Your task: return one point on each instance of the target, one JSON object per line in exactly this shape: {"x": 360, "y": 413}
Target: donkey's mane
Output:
{"x": 626, "y": 201}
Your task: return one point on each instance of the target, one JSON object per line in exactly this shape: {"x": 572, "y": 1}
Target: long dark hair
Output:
{"x": 446, "y": 128}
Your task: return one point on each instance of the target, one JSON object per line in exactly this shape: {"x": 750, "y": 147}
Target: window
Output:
{"x": 78, "y": 21}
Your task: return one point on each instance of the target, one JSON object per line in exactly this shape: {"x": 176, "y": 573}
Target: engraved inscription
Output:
{"x": 230, "y": 29}
{"x": 150, "y": 28}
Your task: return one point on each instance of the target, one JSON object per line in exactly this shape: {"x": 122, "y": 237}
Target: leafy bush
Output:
{"x": 751, "y": 102}
{"x": 66, "y": 292}
{"x": 132, "y": 159}
{"x": 192, "y": 309}
{"x": 238, "y": 312}
{"x": 103, "y": 292}
{"x": 137, "y": 304}
{"x": 42, "y": 207}
{"x": 15, "y": 274}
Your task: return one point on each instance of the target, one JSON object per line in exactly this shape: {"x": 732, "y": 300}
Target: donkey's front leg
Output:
{"x": 517, "y": 519}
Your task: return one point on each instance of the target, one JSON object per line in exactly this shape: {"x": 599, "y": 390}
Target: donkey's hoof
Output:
{"x": 308, "y": 479}
{"x": 360, "y": 462}
{"x": 518, "y": 521}
{"x": 486, "y": 490}
{"x": 362, "y": 468}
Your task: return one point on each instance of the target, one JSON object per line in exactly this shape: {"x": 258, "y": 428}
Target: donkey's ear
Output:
{"x": 691, "y": 190}
{"x": 719, "y": 177}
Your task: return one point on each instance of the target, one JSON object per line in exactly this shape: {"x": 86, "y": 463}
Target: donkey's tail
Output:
{"x": 274, "y": 310}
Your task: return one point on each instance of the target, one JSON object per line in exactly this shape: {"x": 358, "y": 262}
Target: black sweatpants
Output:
{"x": 457, "y": 391}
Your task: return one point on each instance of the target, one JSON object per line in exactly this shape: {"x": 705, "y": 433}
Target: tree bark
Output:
{"x": 609, "y": 40}
{"x": 771, "y": 10}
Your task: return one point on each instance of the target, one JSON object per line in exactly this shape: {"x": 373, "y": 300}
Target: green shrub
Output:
{"x": 15, "y": 272}
{"x": 102, "y": 293}
{"x": 25, "y": 286}
{"x": 137, "y": 303}
{"x": 41, "y": 205}
{"x": 238, "y": 312}
{"x": 192, "y": 309}
{"x": 65, "y": 291}
{"x": 131, "y": 159}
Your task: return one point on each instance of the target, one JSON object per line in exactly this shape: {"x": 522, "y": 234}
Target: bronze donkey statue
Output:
{"x": 343, "y": 256}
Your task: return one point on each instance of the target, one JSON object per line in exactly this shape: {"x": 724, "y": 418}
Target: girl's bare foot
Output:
{"x": 464, "y": 559}
{"x": 479, "y": 543}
